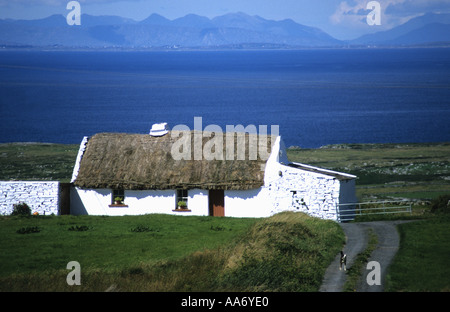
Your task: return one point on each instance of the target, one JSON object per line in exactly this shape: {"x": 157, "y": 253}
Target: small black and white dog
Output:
{"x": 343, "y": 262}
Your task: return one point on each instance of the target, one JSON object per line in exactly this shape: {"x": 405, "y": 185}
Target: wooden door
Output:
{"x": 64, "y": 198}
{"x": 217, "y": 203}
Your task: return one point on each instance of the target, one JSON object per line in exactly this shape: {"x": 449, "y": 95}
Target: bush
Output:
{"x": 143, "y": 228}
{"x": 21, "y": 209}
{"x": 79, "y": 228}
{"x": 441, "y": 204}
{"x": 28, "y": 230}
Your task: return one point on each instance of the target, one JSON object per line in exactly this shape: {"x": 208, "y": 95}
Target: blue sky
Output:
{"x": 343, "y": 19}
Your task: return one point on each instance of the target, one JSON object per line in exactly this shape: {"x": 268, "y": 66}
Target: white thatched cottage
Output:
{"x": 226, "y": 180}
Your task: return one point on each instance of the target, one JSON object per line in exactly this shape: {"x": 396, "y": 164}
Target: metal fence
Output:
{"x": 348, "y": 212}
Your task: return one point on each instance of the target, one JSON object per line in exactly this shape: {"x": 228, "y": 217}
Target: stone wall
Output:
{"x": 41, "y": 196}
{"x": 309, "y": 192}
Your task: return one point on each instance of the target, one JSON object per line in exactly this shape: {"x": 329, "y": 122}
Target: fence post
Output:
{"x": 338, "y": 214}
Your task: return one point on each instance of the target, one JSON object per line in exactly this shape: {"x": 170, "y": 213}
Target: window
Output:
{"x": 182, "y": 196}
{"x": 118, "y": 198}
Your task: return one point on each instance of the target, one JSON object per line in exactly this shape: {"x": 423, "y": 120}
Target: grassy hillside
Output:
{"x": 96, "y": 241}
{"x": 421, "y": 263}
{"x": 37, "y": 161}
{"x": 387, "y": 171}
{"x": 287, "y": 252}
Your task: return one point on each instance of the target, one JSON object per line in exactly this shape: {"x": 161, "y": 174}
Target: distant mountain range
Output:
{"x": 425, "y": 29}
{"x": 236, "y": 30}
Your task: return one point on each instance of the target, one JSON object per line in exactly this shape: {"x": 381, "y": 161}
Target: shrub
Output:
{"x": 21, "y": 209}
{"x": 218, "y": 228}
{"x": 143, "y": 228}
{"x": 28, "y": 230}
{"x": 78, "y": 228}
{"x": 441, "y": 204}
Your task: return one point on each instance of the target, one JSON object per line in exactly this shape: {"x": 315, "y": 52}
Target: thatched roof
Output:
{"x": 140, "y": 162}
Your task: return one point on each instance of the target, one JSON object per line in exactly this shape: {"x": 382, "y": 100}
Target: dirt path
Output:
{"x": 356, "y": 241}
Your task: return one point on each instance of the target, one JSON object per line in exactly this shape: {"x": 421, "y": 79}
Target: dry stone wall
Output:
{"x": 298, "y": 190}
{"x": 41, "y": 196}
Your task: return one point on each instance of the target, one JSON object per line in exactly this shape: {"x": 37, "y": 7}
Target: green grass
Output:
{"x": 287, "y": 252}
{"x": 421, "y": 263}
{"x": 157, "y": 254}
{"x": 108, "y": 243}
{"x": 37, "y": 161}
{"x": 386, "y": 171}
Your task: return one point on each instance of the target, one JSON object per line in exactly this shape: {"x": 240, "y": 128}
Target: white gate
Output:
{"x": 348, "y": 212}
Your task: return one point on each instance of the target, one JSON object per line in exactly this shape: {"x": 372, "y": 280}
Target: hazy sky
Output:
{"x": 341, "y": 19}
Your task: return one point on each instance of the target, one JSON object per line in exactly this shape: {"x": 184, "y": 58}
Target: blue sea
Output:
{"x": 316, "y": 97}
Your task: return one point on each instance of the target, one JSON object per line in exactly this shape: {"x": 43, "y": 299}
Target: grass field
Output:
{"x": 109, "y": 243}
{"x": 387, "y": 171}
{"x": 37, "y": 161}
{"x": 287, "y": 252}
{"x": 421, "y": 263}
{"x": 162, "y": 253}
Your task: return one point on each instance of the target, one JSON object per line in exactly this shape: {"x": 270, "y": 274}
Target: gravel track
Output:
{"x": 356, "y": 241}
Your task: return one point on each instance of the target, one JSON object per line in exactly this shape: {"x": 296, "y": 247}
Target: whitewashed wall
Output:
{"x": 98, "y": 202}
{"x": 247, "y": 203}
{"x": 41, "y": 196}
{"x": 81, "y": 151}
{"x": 92, "y": 202}
{"x": 309, "y": 192}
{"x": 198, "y": 203}
{"x": 144, "y": 202}
{"x": 251, "y": 203}
{"x": 294, "y": 189}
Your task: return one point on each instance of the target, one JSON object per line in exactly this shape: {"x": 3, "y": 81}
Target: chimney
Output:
{"x": 159, "y": 129}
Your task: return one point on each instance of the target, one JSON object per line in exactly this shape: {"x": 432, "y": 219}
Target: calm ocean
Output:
{"x": 317, "y": 97}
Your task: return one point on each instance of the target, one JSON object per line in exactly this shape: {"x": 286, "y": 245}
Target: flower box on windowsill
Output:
{"x": 118, "y": 206}
{"x": 181, "y": 210}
